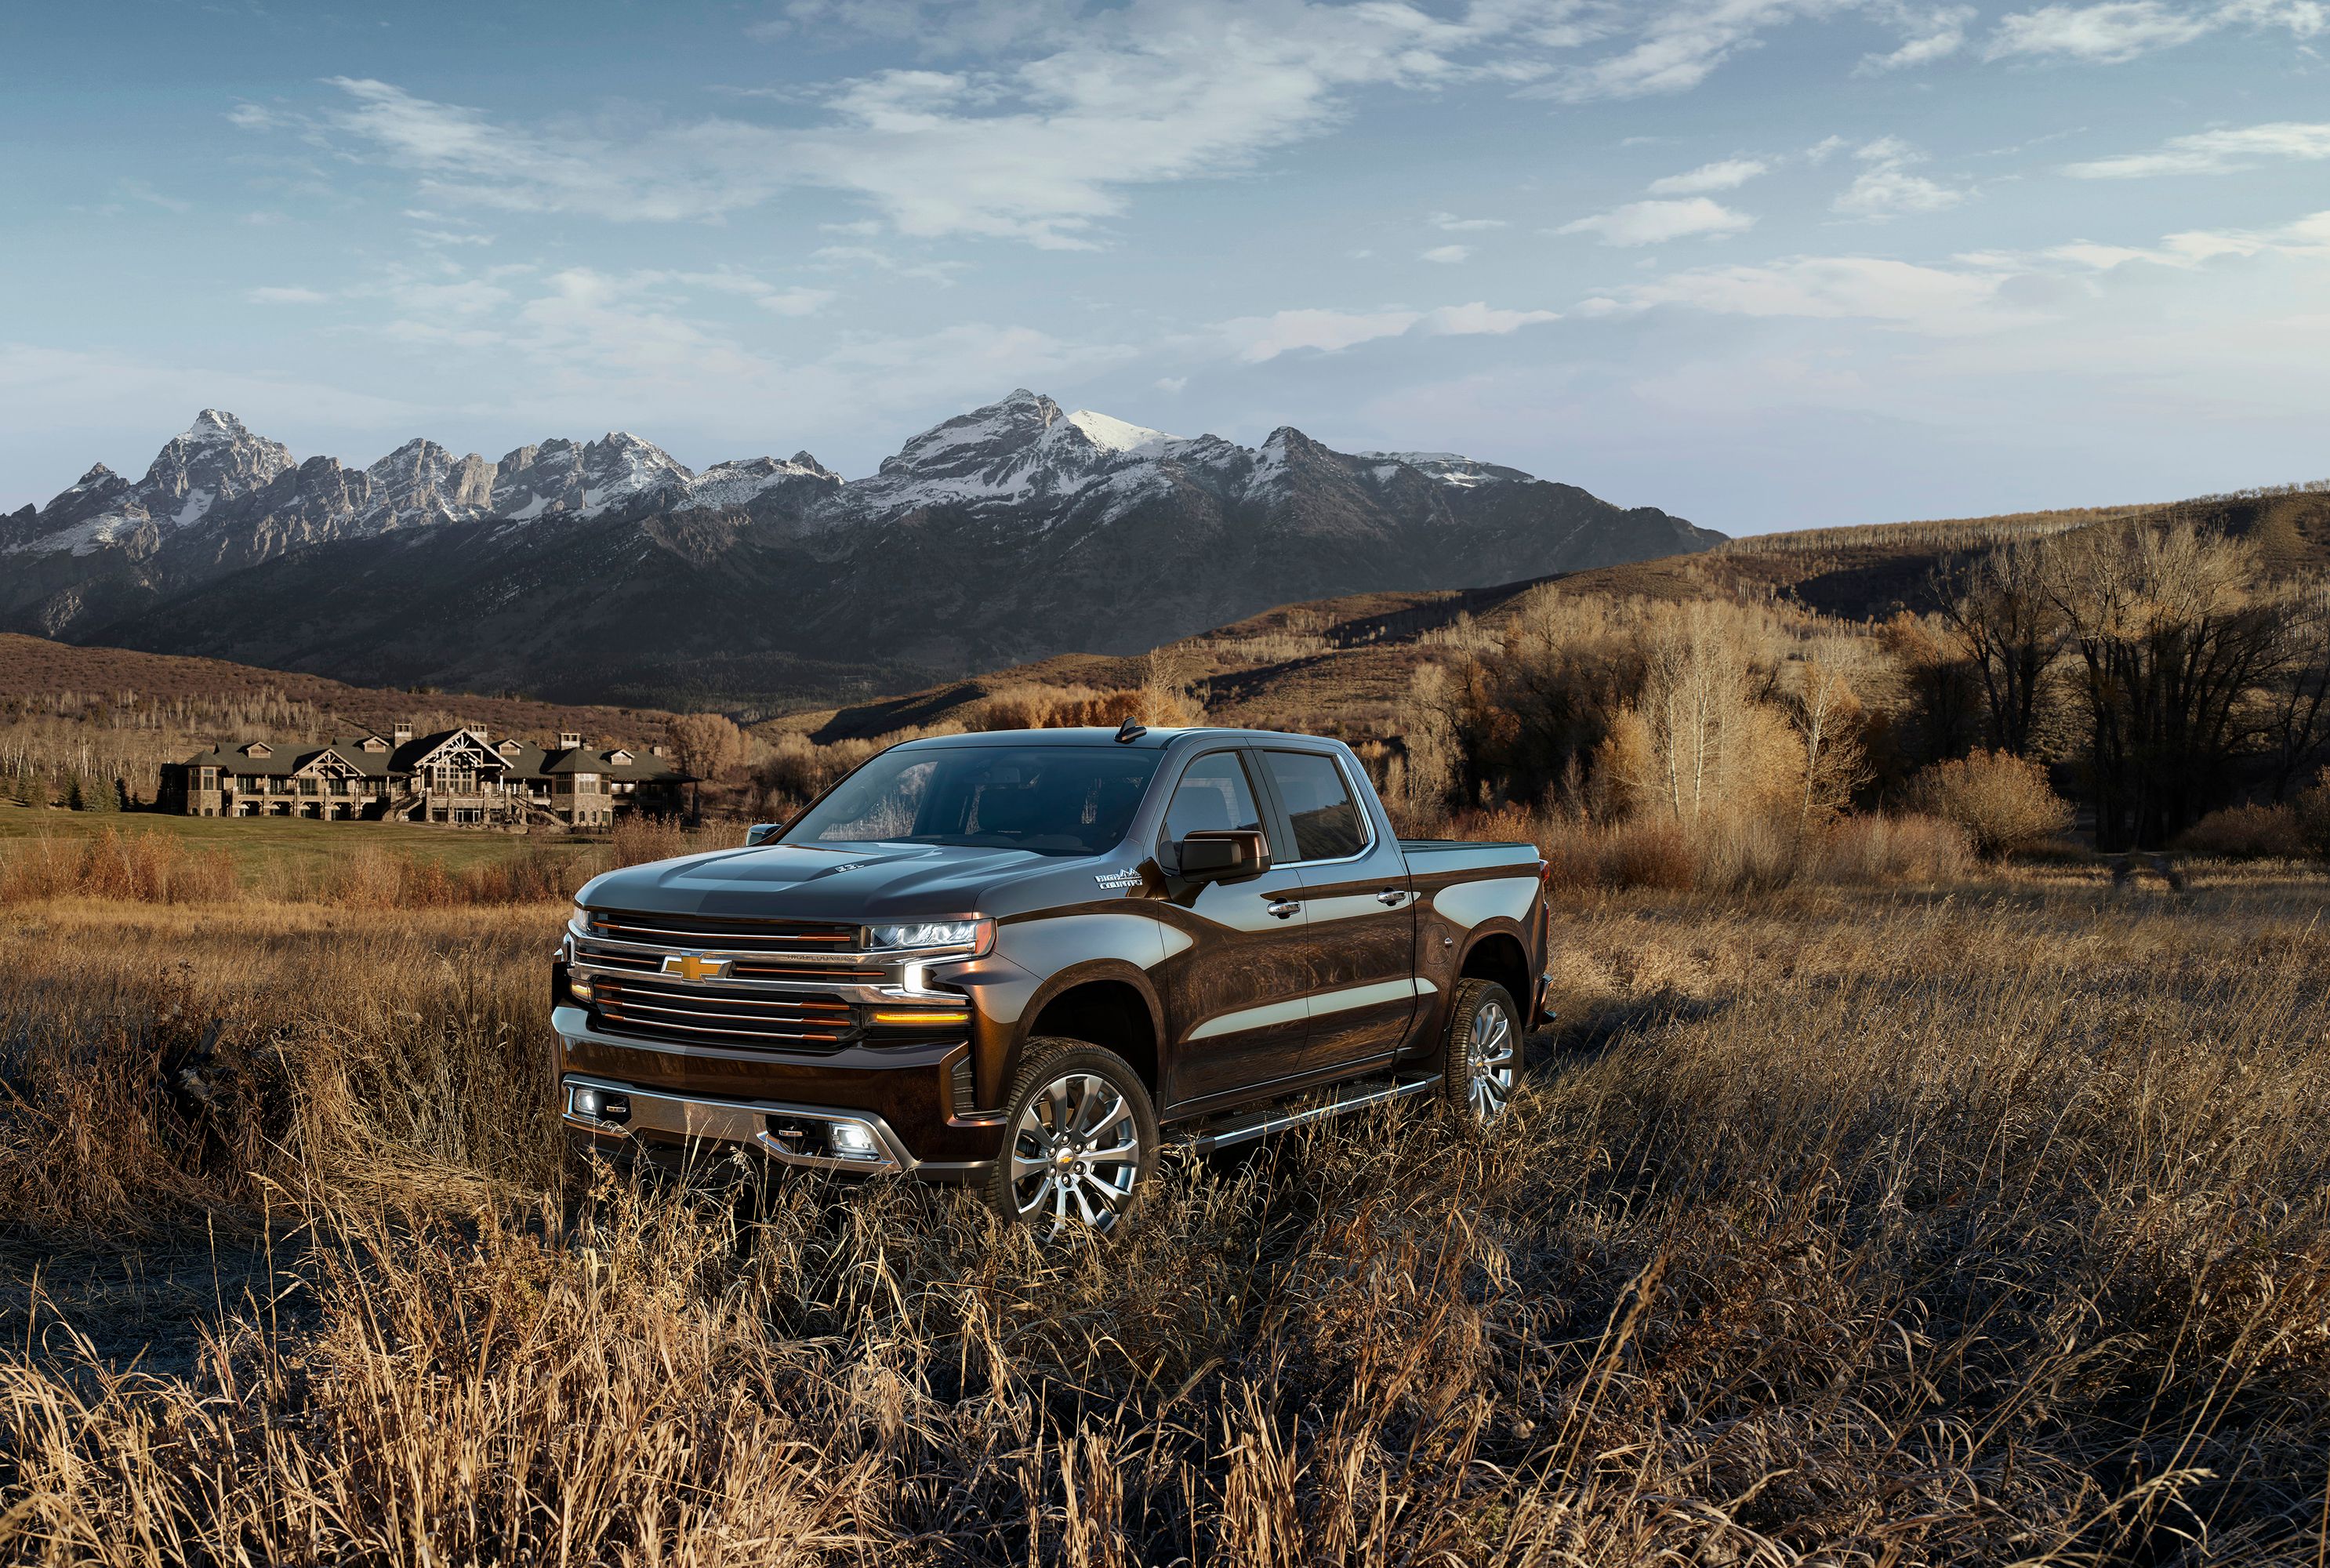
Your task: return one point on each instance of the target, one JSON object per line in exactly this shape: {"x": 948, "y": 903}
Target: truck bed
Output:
{"x": 1444, "y": 855}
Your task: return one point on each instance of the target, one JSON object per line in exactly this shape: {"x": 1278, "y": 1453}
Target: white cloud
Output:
{"x": 1042, "y": 151}
{"x": 1171, "y": 383}
{"x": 1448, "y": 255}
{"x": 837, "y": 257}
{"x": 2308, "y": 236}
{"x": 273, "y": 296}
{"x": 1727, "y": 175}
{"x": 1884, "y": 192}
{"x": 1939, "y": 300}
{"x": 1256, "y": 339}
{"x": 1065, "y": 114}
{"x": 2121, "y": 30}
{"x": 1478, "y": 318}
{"x": 1931, "y": 35}
{"x": 796, "y": 301}
{"x": 1454, "y": 224}
{"x": 1677, "y": 47}
{"x": 2214, "y": 152}
{"x": 1655, "y": 222}
{"x": 1886, "y": 188}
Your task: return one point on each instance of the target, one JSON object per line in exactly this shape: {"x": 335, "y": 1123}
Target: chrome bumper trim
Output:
{"x": 739, "y": 1122}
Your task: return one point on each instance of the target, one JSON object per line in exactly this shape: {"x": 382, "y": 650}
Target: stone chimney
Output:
{"x": 402, "y": 733}
{"x": 569, "y": 738}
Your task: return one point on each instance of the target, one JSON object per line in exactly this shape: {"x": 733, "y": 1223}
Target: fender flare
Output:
{"x": 1115, "y": 971}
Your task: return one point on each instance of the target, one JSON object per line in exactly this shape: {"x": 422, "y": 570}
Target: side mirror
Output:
{"x": 760, "y": 833}
{"x": 1223, "y": 854}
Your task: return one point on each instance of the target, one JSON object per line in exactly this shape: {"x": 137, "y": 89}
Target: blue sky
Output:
{"x": 1766, "y": 263}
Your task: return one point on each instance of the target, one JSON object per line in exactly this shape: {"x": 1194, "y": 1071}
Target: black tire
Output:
{"x": 1479, "y": 1061}
{"x": 1080, "y": 1140}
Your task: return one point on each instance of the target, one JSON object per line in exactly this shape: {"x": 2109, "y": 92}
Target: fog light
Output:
{"x": 586, "y": 1103}
{"x": 855, "y": 1140}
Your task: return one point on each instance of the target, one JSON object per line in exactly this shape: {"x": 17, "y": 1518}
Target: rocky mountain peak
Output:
{"x": 216, "y": 425}
{"x": 214, "y": 459}
{"x": 970, "y": 440}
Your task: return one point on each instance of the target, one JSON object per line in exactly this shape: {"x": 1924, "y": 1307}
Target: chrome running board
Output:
{"x": 1261, "y": 1124}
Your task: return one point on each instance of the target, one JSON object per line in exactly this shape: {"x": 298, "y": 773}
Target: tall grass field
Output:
{"x": 1974, "y": 1215}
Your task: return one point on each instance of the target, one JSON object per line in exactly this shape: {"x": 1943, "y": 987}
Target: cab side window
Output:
{"x": 1326, "y": 822}
{"x": 1213, "y": 795}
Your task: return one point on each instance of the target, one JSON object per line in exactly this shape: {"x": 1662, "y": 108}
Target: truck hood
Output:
{"x": 856, "y": 882}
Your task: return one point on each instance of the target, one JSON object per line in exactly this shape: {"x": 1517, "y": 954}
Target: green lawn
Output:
{"x": 287, "y": 848}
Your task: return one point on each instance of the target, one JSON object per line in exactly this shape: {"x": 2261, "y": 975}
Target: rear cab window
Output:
{"x": 1317, "y": 799}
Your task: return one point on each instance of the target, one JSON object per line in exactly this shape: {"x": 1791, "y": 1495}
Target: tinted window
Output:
{"x": 1052, "y": 799}
{"x": 1213, "y": 795}
{"x": 1318, "y": 803}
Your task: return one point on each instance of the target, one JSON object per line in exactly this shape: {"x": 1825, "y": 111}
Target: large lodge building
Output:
{"x": 461, "y": 776}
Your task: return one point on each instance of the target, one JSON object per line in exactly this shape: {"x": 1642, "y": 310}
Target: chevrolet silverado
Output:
{"x": 1027, "y": 959}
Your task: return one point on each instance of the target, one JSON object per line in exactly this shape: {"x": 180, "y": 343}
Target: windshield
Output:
{"x": 1052, "y": 799}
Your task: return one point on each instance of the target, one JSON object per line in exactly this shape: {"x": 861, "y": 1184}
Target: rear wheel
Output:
{"x": 1481, "y": 1054}
{"x": 1080, "y": 1140}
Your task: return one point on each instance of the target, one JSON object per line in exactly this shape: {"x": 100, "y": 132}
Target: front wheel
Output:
{"x": 1482, "y": 1052}
{"x": 1080, "y": 1140}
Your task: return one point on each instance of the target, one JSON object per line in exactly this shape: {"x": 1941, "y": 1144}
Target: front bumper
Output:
{"x": 904, "y": 1097}
{"x": 810, "y": 1136}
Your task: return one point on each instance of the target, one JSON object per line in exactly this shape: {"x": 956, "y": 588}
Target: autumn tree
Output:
{"x": 705, "y": 745}
{"x": 1826, "y": 710}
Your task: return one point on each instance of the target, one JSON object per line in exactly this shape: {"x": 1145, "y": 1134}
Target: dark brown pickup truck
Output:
{"x": 1026, "y": 960}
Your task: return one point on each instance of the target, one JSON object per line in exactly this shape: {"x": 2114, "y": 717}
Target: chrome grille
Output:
{"x": 707, "y": 1016}
{"x": 707, "y": 932}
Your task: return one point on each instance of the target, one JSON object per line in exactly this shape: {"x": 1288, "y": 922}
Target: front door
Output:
{"x": 1360, "y": 908}
{"x": 1235, "y": 990}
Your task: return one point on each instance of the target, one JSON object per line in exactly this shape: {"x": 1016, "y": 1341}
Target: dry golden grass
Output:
{"x": 1982, "y": 1224}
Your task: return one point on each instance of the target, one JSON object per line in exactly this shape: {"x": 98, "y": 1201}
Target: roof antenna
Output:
{"x": 1129, "y": 730}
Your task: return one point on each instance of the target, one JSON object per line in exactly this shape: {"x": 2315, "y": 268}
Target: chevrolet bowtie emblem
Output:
{"x": 694, "y": 966}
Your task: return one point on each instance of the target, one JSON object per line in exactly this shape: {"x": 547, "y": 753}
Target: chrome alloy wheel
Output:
{"x": 1491, "y": 1054}
{"x": 1075, "y": 1154}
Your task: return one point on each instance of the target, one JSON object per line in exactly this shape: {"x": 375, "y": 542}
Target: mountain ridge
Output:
{"x": 607, "y": 568}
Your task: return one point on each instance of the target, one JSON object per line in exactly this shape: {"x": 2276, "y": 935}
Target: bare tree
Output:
{"x": 705, "y": 745}
{"x": 2014, "y": 630}
{"x": 1696, "y": 694}
{"x": 1823, "y": 705}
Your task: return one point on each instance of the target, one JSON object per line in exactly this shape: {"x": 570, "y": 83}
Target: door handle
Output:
{"x": 1283, "y": 907}
{"x": 1393, "y": 896}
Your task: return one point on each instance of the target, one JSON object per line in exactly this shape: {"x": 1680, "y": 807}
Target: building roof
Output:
{"x": 526, "y": 761}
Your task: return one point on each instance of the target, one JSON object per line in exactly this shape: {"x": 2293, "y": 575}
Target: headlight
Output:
{"x": 973, "y": 935}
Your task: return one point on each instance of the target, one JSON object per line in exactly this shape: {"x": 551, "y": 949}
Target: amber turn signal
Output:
{"x": 955, "y": 1015}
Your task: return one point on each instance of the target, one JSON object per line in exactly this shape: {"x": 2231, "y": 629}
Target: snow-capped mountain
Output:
{"x": 1012, "y": 531}
{"x": 215, "y": 460}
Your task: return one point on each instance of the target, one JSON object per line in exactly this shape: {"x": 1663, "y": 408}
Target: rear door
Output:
{"x": 1359, "y": 909}
{"x": 1237, "y": 988}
